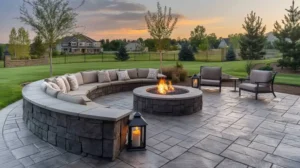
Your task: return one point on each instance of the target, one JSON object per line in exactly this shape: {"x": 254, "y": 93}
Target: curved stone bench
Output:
{"x": 89, "y": 129}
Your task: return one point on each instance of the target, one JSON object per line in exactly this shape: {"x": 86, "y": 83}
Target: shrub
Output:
{"x": 267, "y": 67}
{"x": 178, "y": 65}
{"x": 283, "y": 63}
{"x": 186, "y": 54}
{"x": 230, "y": 56}
{"x": 175, "y": 78}
{"x": 183, "y": 75}
{"x": 55, "y": 53}
{"x": 122, "y": 54}
{"x": 177, "y": 71}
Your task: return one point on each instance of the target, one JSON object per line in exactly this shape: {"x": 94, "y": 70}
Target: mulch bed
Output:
{"x": 295, "y": 90}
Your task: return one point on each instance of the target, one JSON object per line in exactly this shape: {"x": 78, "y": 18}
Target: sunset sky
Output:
{"x": 118, "y": 19}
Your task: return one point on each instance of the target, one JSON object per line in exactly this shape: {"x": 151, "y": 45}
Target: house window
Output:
{"x": 73, "y": 44}
{"x": 81, "y": 44}
{"x": 64, "y": 44}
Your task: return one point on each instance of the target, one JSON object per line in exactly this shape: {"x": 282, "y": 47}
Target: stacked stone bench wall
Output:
{"x": 77, "y": 134}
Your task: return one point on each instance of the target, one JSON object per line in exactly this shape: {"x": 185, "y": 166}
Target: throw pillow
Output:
{"x": 52, "y": 92}
{"x": 73, "y": 82}
{"x": 152, "y": 74}
{"x": 113, "y": 74}
{"x": 66, "y": 83}
{"x": 103, "y": 76}
{"x": 61, "y": 84}
{"x": 54, "y": 86}
{"x": 123, "y": 75}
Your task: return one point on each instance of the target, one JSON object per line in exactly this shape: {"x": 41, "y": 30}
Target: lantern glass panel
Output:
{"x": 195, "y": 83}
{"x": 137, "y": 134}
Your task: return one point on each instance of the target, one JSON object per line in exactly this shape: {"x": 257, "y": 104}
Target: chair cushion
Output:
{"x": 260, "y": 76}
{"x": 88, "y": 87}
{"x": 103, "y": 76}
{"x": 123, "y": 75}
{"x": 210, "y": 82}
{"x": 133, "y": 73}
{"x": 89, "y": 77}
{"x": 79, "y": 78}
{"x": 61, "y": 84}
{"x": 252, "y": 87}
{"x": 73, "y": 82}
{"x": 54, "y": 86}
{"x": 113, "y": 74}
{"x": 52, "y": 92}
{"x": 135, "y": 81}
{"x": 143, "y": 73}
{"x": 70, "y": 99}
{"x": 152, "y": 73}
{"x": 67, "y": 84}
{"x": 211, "y": 73}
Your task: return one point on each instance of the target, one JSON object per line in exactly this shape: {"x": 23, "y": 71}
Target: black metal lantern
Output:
{"x": 137, "y": 133}
{"x": 195, "y": 81}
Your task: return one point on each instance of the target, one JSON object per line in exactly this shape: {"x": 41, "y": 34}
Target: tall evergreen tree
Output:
{"x": 122, "y": 54}
{"x": 230, "y": 56}
{"x": 38, "y": 48}
{"x": 253, "y": 41}
{"x": 186, "y": 54}
{"x": 289, "y": 35}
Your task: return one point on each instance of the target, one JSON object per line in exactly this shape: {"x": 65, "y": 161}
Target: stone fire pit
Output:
{"x": 183, "y": 101}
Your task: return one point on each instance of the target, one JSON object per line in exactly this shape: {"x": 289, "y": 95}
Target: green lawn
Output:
{"x": 12, "y": 78}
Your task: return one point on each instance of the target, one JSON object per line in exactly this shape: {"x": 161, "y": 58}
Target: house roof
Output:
{"x": 76, "y": 38}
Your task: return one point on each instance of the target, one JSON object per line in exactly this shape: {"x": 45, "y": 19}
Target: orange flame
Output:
{"x": 165, "y": 87}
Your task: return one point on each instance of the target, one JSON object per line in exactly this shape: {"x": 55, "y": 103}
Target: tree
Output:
{"x": 160, "y": 26}
{"x": 235, "y": 40}
{"x": 122, "y": 54}
{"x": 186, "y": 54}
{"x": 23, "y": 43}
{"x": 289, "y": 35}
{"x": 150, "y": 43}
{"x": 38, "y": 48}
{"x": 213, "y": 40}
{"x": 253, "y": 41}
{"x": 197, "y": 35}
{"x": 13, "y": 42}
{"x": 52, "y": 19}
{"x": 230, "y": 56}
{"x": 204, "y": 46}
{"x": 1, "y": 51}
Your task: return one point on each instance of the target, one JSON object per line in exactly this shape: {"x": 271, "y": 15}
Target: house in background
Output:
{"x": 225, "y": 42}
{"x": 79, "y": 44}
{"x": 136, "y": 47}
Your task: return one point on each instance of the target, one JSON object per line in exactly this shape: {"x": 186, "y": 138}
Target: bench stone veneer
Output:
{"x": 91, "y": 129}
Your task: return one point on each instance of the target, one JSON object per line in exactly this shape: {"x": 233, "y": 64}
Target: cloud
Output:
{"x": 195, "y": 22}
{"x": 110, "y": 5}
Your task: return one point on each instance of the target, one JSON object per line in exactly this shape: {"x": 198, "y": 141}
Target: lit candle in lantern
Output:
{"x": 136, "y": 137}
{"x": 195, "y": 83}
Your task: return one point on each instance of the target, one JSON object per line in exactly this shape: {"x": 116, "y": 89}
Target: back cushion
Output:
{"x": 66, "y": 83}
{"x": 51, "y": 92}
{"x": 113, "y": 74}
{"x": 61, "y": 84}
{"x": 211, "y": 73}
{"x": 133, "y": 74}
{"x": 143, "y": 72}
{"x": 73, "y": 82}
{"x": 260, "y": 76}
{"x": 79, "y": 78}
{"x": 89, "y": 77}
{"x": 70, "y": 99}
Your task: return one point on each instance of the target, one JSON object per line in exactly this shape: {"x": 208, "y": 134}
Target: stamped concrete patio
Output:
{"x": 230, "y": 132}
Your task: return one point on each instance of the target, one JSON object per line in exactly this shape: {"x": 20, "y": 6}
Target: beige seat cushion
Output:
{"x": 117, "y": 83}
{"x": 88, "y": 87}
{"x": 89, "y": 77}
{"x": 135, "y": 81}
{"x": 152, "y": 73}
{"x": 79, "y": 78}
{"x": 123, "y": 75}
{"x": 210, "y": 82}
{"x": 252, "y": 87}
{"x": 78, "y": 93}
{"x": 73, "y": 82}
{"x": 70, "y": 99}
{"x": 143, "y": 72}
{"x": 113, "y": 74}
{"x": 103, "y": 76}
{"x": 152, "y": 81}
{"x": 52, "y": 92}
{"x": 260, "y": 76}
{"x": 211, "y": 73}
